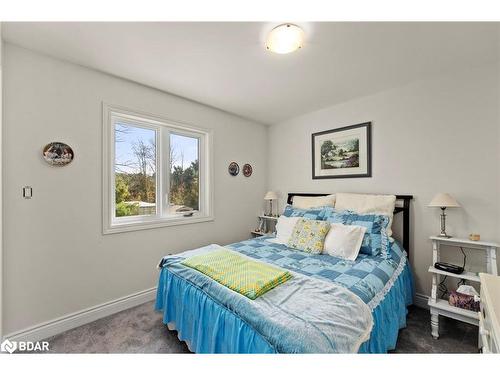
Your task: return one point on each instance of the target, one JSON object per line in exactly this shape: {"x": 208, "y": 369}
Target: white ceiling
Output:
{"x": 225, "y": 65}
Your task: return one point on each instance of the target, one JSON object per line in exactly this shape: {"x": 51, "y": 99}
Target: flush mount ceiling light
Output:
{"x": 285, "y": 38}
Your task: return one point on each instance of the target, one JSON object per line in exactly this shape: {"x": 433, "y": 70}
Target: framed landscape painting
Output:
{"x": 342, "y": 152}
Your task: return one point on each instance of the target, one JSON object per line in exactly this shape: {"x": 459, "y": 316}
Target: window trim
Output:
{"x": 149, "y": 121}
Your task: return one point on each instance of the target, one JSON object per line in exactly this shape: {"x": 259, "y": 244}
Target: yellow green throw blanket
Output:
{"x": 238, "y": 273}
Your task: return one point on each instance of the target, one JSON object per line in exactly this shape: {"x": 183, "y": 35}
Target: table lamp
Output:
{"x": 270, "y": 195}
{"x": 443, "y": 200}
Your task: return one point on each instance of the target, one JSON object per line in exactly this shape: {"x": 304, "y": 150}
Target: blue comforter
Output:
{"x": 383, "y": 284}
{"x": 369, "y": 277}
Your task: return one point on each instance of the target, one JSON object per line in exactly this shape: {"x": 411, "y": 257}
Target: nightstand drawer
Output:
{"x": 484, "y": 333}
{"x": 488, "y": 316}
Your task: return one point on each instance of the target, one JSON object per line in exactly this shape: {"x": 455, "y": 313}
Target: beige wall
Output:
{"x": 56, "y": 259}
{"x": 437, "y": 135}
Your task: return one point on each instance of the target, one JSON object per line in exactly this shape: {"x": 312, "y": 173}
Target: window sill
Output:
{"x": 159, "y": 223}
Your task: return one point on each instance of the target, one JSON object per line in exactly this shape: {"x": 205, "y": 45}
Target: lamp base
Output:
{"x": 443, "y": 224}
{"x": 270, "y": 208}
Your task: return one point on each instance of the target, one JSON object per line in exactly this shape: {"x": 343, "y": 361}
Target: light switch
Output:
{"x": 27, "y": 192}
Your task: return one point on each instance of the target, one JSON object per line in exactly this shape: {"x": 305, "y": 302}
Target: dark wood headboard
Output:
{"x": 405, "y": 209}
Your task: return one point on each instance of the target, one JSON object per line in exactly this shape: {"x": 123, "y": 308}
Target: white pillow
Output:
{"x": 311, "y": 202}
{"x": 284, "y": 229}
{"x": 344, "y": 241}
{"x": 368, "y": 204}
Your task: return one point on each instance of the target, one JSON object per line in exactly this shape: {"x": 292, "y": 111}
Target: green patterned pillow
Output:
{"x": 309, "y": 235}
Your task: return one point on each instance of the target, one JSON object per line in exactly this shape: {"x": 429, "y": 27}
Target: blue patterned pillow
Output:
{"x": 376, "y": 240}
{"x": 318, "y": 213}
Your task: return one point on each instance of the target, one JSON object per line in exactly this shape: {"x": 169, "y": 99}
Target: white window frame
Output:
{"x": 163, "y": 127}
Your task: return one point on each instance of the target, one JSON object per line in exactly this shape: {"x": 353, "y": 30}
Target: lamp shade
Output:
{"x": 443, "y": 200}
{"x": 270, "y": 195}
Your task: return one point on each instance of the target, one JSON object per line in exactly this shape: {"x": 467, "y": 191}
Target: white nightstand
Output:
{"x": 442, "y": 307}
{"x": 267, "y": 225}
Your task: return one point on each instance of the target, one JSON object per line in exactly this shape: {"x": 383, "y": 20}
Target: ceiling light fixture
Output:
{"x": 285, "y": 38}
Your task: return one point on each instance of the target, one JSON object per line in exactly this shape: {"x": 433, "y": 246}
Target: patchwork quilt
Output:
{"x": 303, "y": 315}
{"x": 369, "y": 277}
{"x": 283, "y": 316}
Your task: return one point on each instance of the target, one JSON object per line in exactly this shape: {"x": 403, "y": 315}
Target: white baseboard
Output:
{"x": 64, "y": 323}
{"x": 421, "y": 301}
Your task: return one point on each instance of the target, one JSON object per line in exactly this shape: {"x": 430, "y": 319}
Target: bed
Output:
{"x": 209, "y": 320}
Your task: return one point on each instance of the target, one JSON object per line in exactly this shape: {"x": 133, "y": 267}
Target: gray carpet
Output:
{"x": 140, "y": 330}
{"x": 454, "y": 336}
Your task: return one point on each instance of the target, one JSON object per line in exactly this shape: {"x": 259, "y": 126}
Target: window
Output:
{"x": 156, "y": 172}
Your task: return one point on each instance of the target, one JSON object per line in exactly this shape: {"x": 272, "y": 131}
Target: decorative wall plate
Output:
{"x": 58, "y": 154}
{"x": 247, "y": 170}
{"x": 233, "y": 168}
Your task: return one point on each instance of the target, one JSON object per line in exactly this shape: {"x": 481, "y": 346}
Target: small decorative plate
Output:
{"x": 58, "y": 154}
{"x": 233, "y": 168}
{"x": 247, "y": 170}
